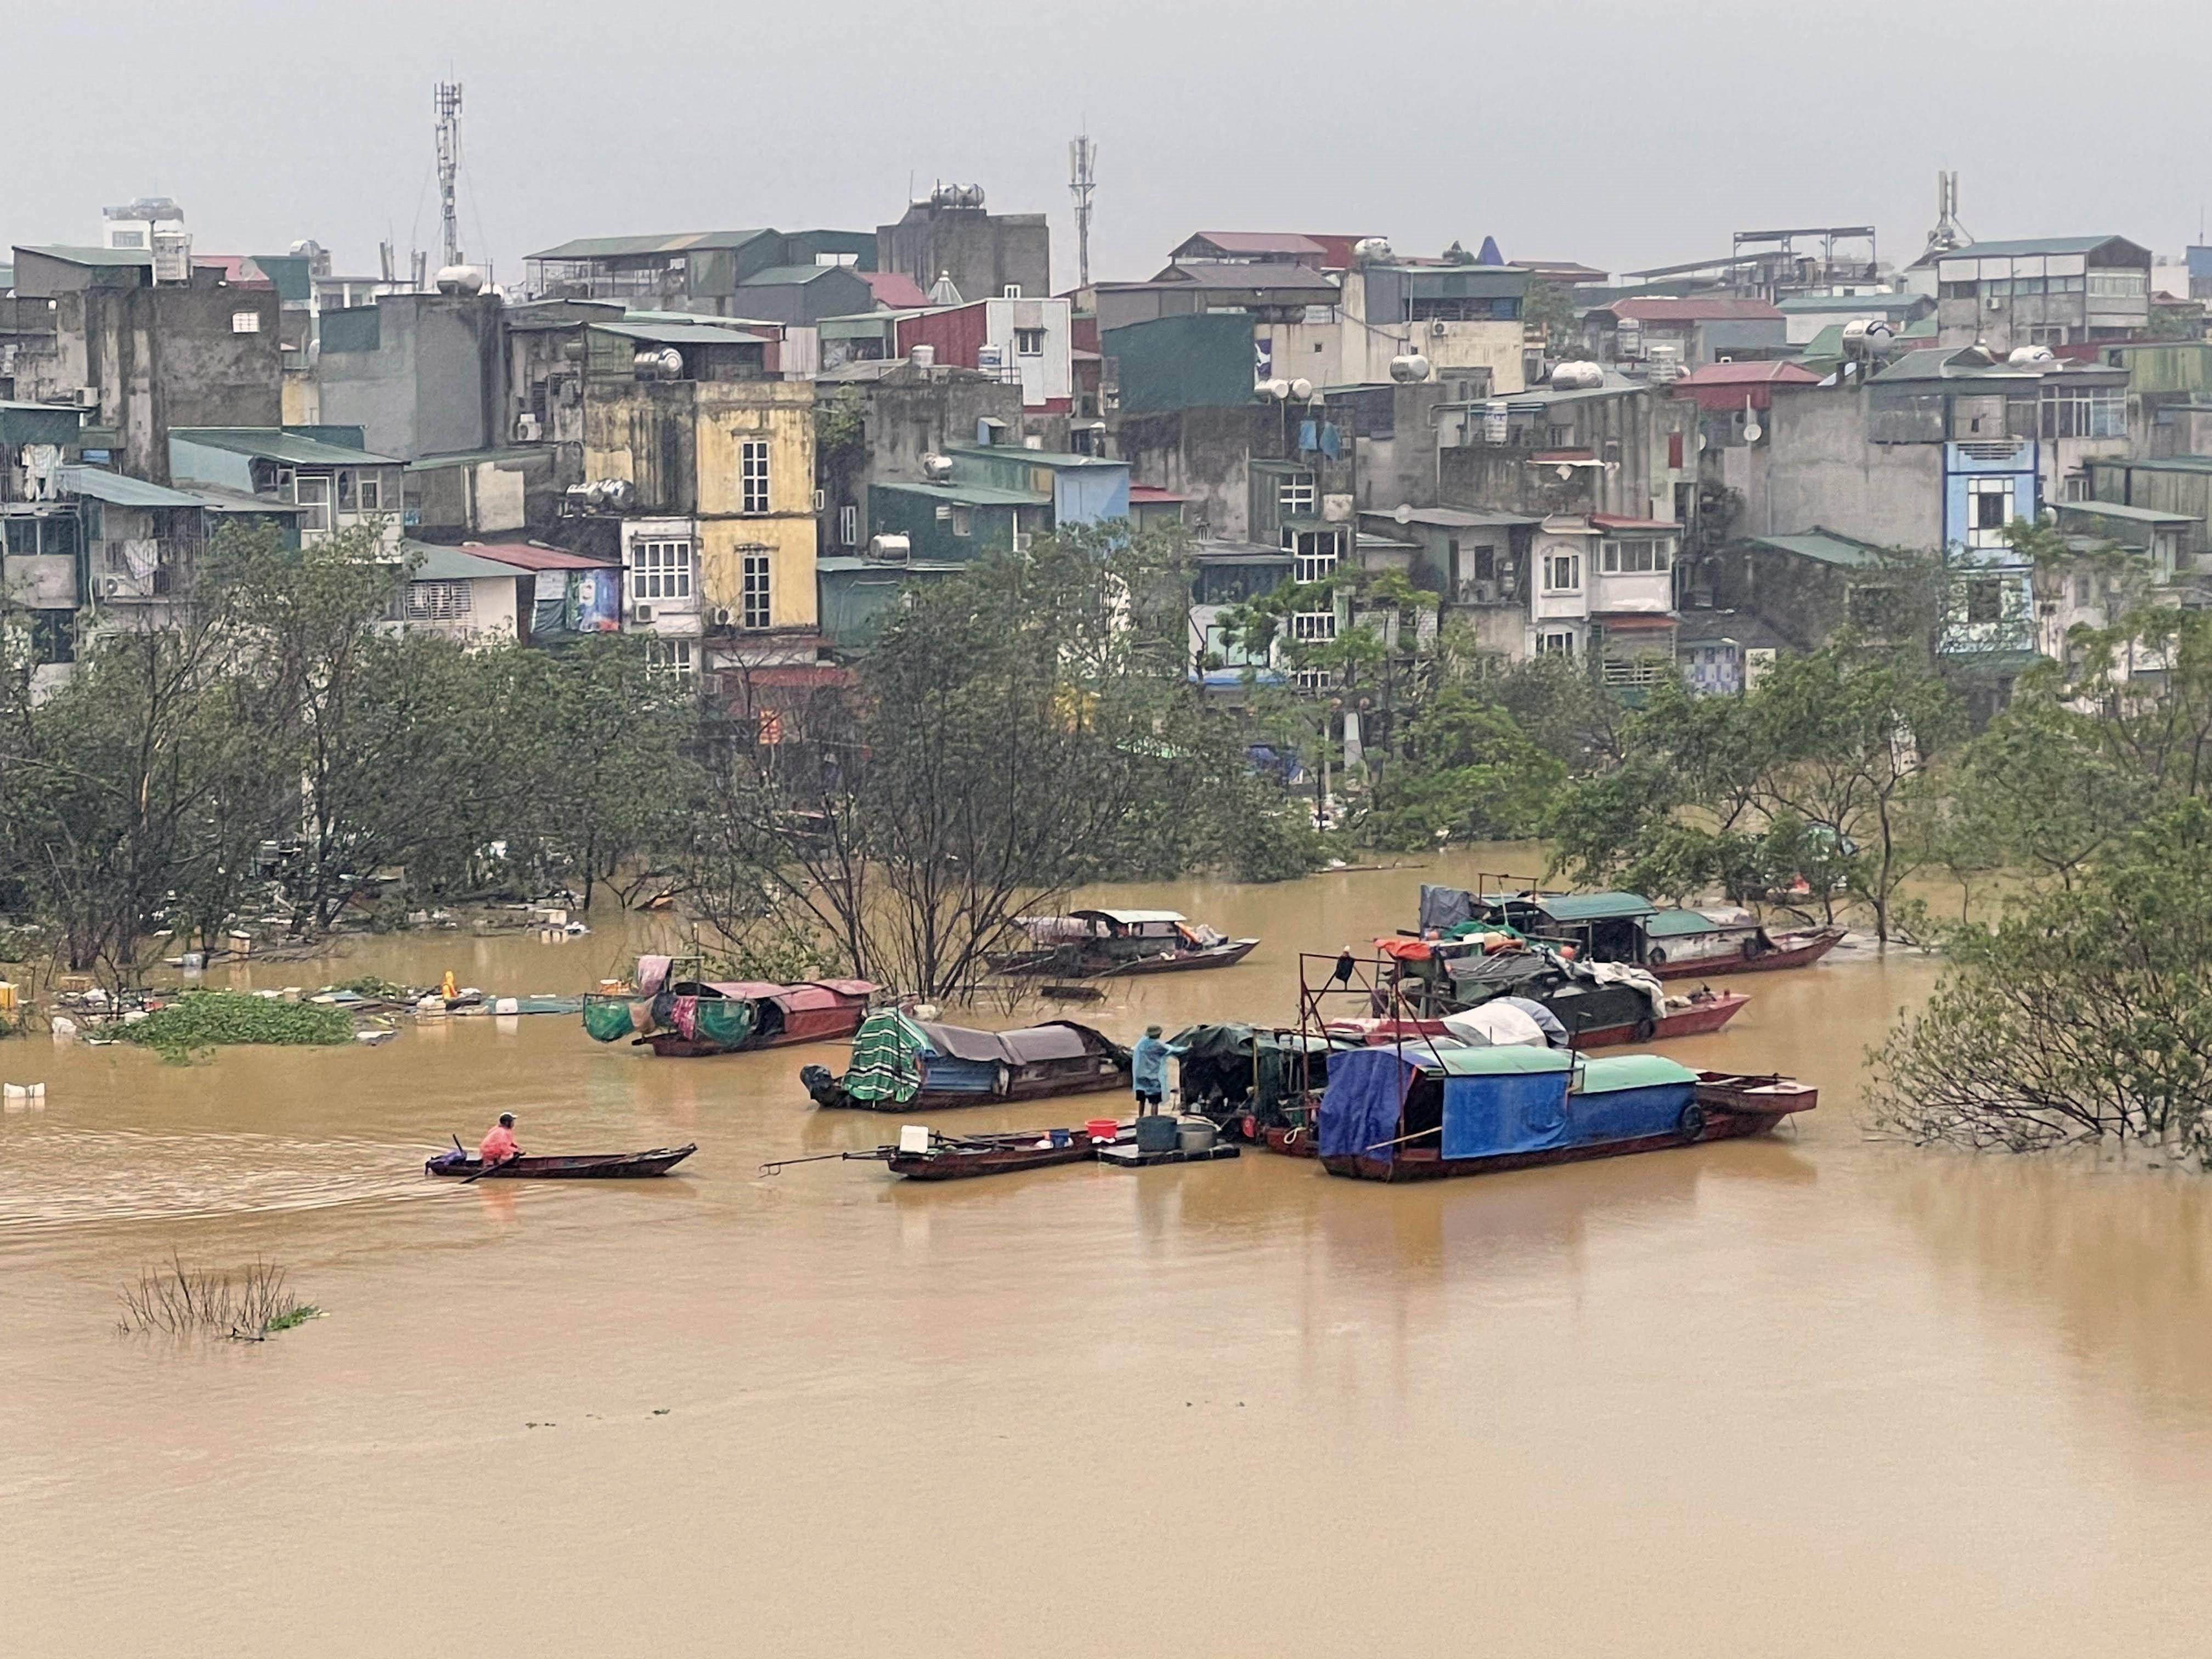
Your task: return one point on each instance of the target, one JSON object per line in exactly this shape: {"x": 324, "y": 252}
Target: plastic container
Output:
{"x": 1102, "y": 1128}
{"x": 1061, "y": 1137}
{"x": 1195, "y": 1134}
{"x": 1156, "y": 1132}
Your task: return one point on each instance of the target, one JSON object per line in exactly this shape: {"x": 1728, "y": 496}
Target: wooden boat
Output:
{"x": 901, "y": 1064}
{"x": 1597, "y": 1003}
{"x": 1099, "y": 944}
{"x": 690, "y": 1019}
{"x": 1671, "y": 942}
{"x": 1692, "y": 1016}
{"x": 612, "y": 1166}
{"x": 949, "y": 1158}
{"x": 1421, "y": 1115}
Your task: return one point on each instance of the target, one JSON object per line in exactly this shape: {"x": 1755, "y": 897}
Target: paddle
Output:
{"x": 488, "y": 1168}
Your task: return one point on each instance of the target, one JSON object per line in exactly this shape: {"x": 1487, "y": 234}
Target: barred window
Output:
{"x": 670, "y": 657}
{"x": 752, "y": 469}
{"x": 437, "y": 602}
{"x": 661, "y": 570}
{"x": 756, "y": 608}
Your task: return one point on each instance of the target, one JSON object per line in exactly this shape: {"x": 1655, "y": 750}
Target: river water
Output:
{"x": 1808, "y": 1394}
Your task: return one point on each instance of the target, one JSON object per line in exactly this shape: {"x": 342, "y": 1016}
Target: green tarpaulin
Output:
{"x": 725, "y": 1020}
{"x": 607, "y": 1018}
{"x": 886, "y": 1063}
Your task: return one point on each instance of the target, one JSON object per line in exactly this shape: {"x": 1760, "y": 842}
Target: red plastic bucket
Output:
{"x": 1102, "y": 1128}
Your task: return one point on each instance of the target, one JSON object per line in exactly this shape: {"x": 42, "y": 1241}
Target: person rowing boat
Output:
{"x": 500, "y": 1147}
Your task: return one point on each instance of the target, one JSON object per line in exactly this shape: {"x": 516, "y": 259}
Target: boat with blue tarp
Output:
{"x": 1412, "y": 1113}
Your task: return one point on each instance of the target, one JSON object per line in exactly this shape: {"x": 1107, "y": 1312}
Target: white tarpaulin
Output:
{"x": 1495, "y": 1025}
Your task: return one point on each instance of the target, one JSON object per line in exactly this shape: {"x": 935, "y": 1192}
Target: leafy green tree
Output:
{"x": 1470, "y": 771}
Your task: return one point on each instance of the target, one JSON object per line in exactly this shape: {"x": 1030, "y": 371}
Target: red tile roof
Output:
{"x": 1695, "y": 309}
{"x": 1745, "y": 373}
{"x": 1153, "y": 493}
{"x": 524, "y": 556}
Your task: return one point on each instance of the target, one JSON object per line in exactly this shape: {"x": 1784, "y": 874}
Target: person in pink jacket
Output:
{"x": 499, "y": 1147}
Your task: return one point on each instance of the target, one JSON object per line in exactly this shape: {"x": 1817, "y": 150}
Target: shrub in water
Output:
{"x": 209, "y": 1020}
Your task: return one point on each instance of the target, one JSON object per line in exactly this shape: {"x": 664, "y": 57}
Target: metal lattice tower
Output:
{"x": 1082, "y": 158}
{"x": 449, "y": 164}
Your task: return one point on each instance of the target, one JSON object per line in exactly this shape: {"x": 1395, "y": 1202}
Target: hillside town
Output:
{"x": 744, "y": 444}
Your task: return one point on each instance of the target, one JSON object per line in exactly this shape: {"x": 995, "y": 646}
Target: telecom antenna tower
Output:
{"x": 1082, "y": 158}
{"x": 449, "y": 163}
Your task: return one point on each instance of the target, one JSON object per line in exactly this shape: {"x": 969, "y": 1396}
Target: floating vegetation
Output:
{"x": 213, "y": 1019}
{"x": 246, "y": 1304}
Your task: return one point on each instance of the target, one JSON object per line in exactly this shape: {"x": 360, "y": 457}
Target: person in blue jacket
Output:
{"x": 1149, "y": 1068}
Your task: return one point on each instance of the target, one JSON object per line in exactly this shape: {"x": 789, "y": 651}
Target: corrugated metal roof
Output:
{"x": 2122, "y": 510}
{"x": 231, "y": 501}
{"x": 1823, "y": 545}
{"x": 1714, "y": 309}
{"x": 1461, "y": 518}
{"x": 1747, "y": 373}
{"x": 616, "y": 247}
{"x": 1058, "y": 459}
{"x": 1948, "y": 363}
{"x": 1287, "y": 245}
{"x": 1678, "y": 924}
{"x": 2028, "y": 246}
{"x": 451, "y": 564}
{"x": 970, "y": 495}
{"x": 91, "y": 256}
{"x": 524, "y": 556}
{"x": 1257, "y": 277}
{"x": 680, "y": 333}
{"x": 787, "y": 275}
{"x": 119, "y": 489}
{"x": 1881, "y": 304}
{"x": 274, "y": 444}
{"x": 1594, "y": 907}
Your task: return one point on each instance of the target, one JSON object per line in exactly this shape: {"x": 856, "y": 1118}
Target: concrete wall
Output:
{"x": 983, "y": 253}
{"x": 162, "y": 357}
{"x": 1816, "y": 467}
{"x": 435, "y": 382}
{"x": 1204, "y": 454}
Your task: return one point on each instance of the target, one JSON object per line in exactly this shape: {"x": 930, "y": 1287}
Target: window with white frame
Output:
{"x": 1011, "y": 291}
{"x": 1558, "y": 642}
{"x": 661, "y": 570}
{"x": 1633, "y": 555}
{"x": 752, "y": 475}
{"x": 1029, "y": 342}
{"x": 754, "y": 609}
{"x": 440, "y": 602}
{"x": 245, "y": 322}
{"x": 313, "y": 491}
{"x": 2118, "y": 284}
{"x": 370, "y": 489}
{"x": 672, "y": 658}
{"x": 126, "y": 239}
{"x": 962, "y": 520}
{"x": 1989, "y": 509}
{"x": 1314, "y": 555}
{"x": 1294, "y": 496}
{"x": 2099, "y": 411}
{"x": 1563, "y": 573}
{"x": 849, "y": 526}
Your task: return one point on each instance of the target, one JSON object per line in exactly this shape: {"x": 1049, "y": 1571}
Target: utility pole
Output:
{"x": 449, "y": 163}
{"x": 1082, "y": 158}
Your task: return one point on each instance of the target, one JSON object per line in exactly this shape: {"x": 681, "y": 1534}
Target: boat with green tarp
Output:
{"x": 901, "y": 1063}
{"x": 687, "y": 1018}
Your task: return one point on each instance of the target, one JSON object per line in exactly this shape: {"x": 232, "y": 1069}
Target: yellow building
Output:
{"x": 718, "y": 535}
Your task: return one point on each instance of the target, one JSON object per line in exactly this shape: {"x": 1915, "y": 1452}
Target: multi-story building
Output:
{"x": 2046, "y": 291}
{"x": 948, "y": 234}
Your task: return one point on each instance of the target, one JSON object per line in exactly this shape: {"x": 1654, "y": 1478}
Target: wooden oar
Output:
{"x": 472, "y": 1180}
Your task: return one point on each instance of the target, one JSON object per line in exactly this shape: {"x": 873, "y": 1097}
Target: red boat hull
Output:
{"x": 1800, "y": 950}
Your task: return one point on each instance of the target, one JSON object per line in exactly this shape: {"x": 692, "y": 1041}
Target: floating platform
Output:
{"x": 1127, "y": 1156}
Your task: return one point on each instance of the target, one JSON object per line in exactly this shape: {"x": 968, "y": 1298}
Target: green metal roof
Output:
{"x": 1869, "y": 302}
{"x": 971, "y": 495}
{"x": 1678, "y": 924}
{"x": 2123, "y": 510}
{"x": 1059, "y": 460}
{"x": 1503, "y": 1060}
{"x": 2162, "y": 463}
{"x": 93, "y": 256}
{"x": 1594, "y": 907}
{"x": 120, "y": 491}
{"x": 451, "y": 564}
{"x": 1614, "y": 1072}
{"x": 680, "y": 333}
{"x": 786, "y": 276}
{"x": 271, "y": 443}
{"x": 1940, "y": 363}
{"x": 520, "y": 454}
{"x": 1823, "y": 545}
{"x": 616, "y": 247}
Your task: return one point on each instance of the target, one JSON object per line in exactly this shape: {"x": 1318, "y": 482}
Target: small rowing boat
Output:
{"x": 611, "y": 1166}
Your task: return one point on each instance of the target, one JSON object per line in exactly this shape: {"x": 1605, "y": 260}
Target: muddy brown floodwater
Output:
{"x": 1805, "y": 1395}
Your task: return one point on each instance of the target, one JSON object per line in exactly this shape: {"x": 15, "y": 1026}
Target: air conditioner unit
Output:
{"x": 527, "y": 430}
{"x": 1997, "y": 302}
{"x": 944, "y": 514}
{"x": 114, "y": 587}
{"x": 1438, "y": 328}
{"x": 821, "y": 500}
{"x": 87, "y": 397}
{"x": 722, "y": 616}
{"x": 640, "y": 613}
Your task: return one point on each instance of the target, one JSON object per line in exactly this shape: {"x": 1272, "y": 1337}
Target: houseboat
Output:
{"x": 900, "y": 1063}
{"x": 690, "y": 1019}
{"x": 1671, "y": 942}
{"x": 1597, "y": 1004}
{"x": 1095, "y": 943}
{"x": 1420, "y": 1113}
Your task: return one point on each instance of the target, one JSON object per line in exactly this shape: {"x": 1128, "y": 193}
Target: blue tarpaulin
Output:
{"x": 1486, "y": 1116}
{"x": 1360, "y": 1110}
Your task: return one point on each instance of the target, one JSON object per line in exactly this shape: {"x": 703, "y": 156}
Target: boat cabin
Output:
{"x": 1612, "y": 927}
{"x": 1435, "y": 1103}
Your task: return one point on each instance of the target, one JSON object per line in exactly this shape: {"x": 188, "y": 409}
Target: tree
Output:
{"x": 1468, "y": 771}
{"x": 2083, "y": 1015}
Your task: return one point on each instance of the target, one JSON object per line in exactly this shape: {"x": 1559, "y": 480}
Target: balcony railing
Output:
{"x": 151, "y": 569}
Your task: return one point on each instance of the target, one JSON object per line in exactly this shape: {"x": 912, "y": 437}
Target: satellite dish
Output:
{"x": 1404, "y": 513}
{"x": 1753, "y": 433}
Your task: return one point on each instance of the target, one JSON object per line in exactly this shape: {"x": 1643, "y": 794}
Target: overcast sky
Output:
{"x": 1622, "y": 133}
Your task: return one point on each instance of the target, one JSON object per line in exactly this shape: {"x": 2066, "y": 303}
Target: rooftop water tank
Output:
{"x": 1409, "y": 367}
{"x": 1370, "y": 250}
{"x": 460, "y": 279}
{"x": 1577, "y": 377}
{"x": 2030, "y": 357}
